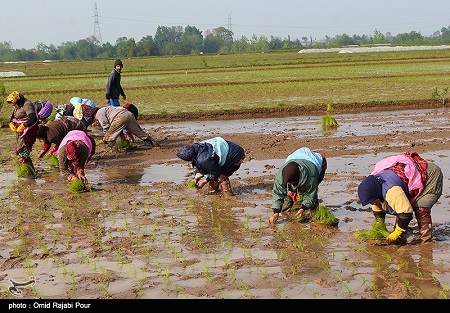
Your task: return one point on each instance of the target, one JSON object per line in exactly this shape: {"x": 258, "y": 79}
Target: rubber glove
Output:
{"x": 395, "y": 234}
{"x": 12, "y": 127}
{"x": 274, "y": 218}
{"x": 20, "y": 129}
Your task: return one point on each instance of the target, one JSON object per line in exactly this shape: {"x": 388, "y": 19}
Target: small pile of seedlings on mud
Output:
{"x": 77, "y": 185}
{"x": 324, "y": 216}
{"x": 24, "y": 170}
{"x": 378, "y": 231}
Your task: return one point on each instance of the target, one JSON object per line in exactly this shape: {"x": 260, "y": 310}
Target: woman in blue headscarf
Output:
{"x": 214, "y": 160}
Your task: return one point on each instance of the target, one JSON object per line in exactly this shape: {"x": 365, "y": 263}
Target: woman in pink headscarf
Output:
{"x": 74, "y": 153}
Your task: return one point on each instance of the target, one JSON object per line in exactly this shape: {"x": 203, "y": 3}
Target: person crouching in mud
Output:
{"x": 214, "y": 160}
{"x": 301, "y": 174}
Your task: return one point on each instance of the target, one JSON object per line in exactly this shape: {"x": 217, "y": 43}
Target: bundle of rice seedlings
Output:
{"x": 328, "y": 121}
{"x": 124, "y": 145}
{"x": 324, "y": 216}
{"x": 24, "y": 170}
{"x": 190, "y": 184}
{"x": 76, "y": 185}
{"x": 53, "y": 161}
{"x": 378, "y": 231}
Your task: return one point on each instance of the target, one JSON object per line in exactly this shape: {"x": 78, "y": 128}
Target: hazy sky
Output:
{"x": 27, "y": 23}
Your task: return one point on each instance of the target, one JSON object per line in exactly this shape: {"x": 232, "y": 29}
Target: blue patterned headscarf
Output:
{"x": 186, "y": 153}
{"x": 369, "y": 190}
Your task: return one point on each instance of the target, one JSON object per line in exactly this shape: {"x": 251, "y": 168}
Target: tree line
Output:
{"x": 177, "y": 40}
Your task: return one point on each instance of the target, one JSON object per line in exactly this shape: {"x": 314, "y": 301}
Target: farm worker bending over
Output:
{"x": 301, "y": 174}
{"x": 24, "y": 121}
{"x": 214, "y": 160}
{"x": 82, "y": 109}
{"x": 113, "y": 120}
{"x": 400, "y": 185}
{"x": 55, "y": 132}
{"x": 74, "y": 153}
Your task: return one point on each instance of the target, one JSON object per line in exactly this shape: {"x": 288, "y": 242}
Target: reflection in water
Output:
{"x": 405, "y": 272}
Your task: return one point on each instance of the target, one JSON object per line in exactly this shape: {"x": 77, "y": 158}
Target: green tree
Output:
{"x": 147, "y": 47}
{"x": 217, "y": 39}
{"x": 378, "y": 37}
{"x": 167, "y": 39}
{"x": 191, "y": 42}
{"x": 126, "y": 47}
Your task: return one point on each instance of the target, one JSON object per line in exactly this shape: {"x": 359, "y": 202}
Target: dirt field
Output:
{"x": 141, "y": 234}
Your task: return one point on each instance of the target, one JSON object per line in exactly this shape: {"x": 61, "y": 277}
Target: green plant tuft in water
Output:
{"x": 24, "y": 170}
{"x": 328, "y": 121}
{"x": 324, "y": 216}
{"x": 53, "y": 161}
{"x": 378, "y": 231}
{"x": 76, "y": 185}
{"x": 124, "y": 145}
{"x": 190, "y": 184}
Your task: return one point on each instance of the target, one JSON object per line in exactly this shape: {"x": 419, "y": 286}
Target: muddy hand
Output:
{"x": 273, "y": 219}
{"x": 299, "y": 213}
{"x": 198, "y": 176}
{"x": 201, "y": 183}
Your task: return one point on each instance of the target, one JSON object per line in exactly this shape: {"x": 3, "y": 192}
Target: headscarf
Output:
{"x": 73, "y": 150}
{"x": 75, "y": 100}
{"x": 186, "y": 153}
{"x": 14, "y": 97}
{"x": 369, "y": 190}
{"x": 291, "y": 173}
{"x": 46, "y": 110}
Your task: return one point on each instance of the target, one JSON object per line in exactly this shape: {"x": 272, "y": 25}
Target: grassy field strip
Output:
{"x": 247, "y": 81}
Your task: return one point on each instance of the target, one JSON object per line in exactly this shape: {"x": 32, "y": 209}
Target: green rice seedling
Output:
{"x": 324, "y": 216}
{"x": 328, "y": 121}
{"x": 124, "y": 145}
{"x": 52, "y": 161}
{"x": 440, "y": 93}
{"x": 190, "y": 184}
{"x": 24, "y": 170}
{"x": 329, "y": 109}
{"x": 76, "y": 185}
{"x": 377, "y": 231}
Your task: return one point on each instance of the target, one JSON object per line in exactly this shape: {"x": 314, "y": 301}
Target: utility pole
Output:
{"x": 97, "y": 33}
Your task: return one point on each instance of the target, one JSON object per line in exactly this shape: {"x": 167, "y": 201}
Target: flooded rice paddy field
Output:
{"x": 141, "y": 234}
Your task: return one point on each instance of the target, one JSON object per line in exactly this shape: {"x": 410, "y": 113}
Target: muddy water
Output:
{"x": 250, "y": 260}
